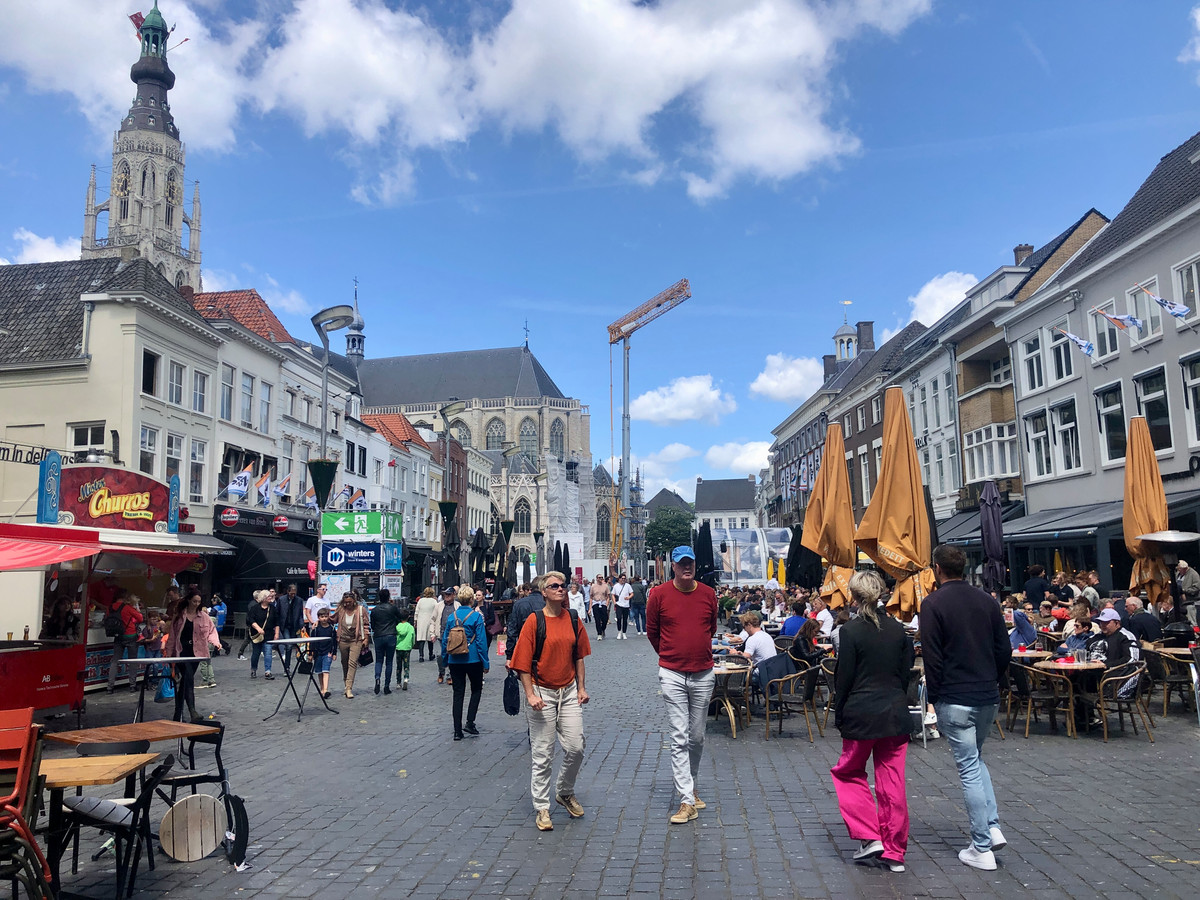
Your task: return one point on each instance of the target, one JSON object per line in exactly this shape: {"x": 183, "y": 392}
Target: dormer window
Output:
{"x": 152, "y": 101}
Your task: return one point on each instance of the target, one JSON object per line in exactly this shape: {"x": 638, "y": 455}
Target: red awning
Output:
{"x": 32, "y": 546}
{"x": 168, "y": 561}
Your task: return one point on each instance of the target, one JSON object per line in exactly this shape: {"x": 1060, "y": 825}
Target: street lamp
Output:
{"x": 334, "y": 318}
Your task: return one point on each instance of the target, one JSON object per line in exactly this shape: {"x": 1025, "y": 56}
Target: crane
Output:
{"x": 621, "y": 330}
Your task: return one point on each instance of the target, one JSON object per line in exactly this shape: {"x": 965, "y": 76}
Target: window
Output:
{"x": 1104, "y": 332}
{"x": 557, "y": 442}
{"x": 1060, "y": 352}
{"x": 196, "y": 472}
{"x": 303, "y": 486}
{"x": 991, "y": 452}
{"x": 350, "y": 447}
{"x": 951, "y": 403}
{"x": 955, "y": 482}
{"x": 463, "y": 433}
{"x": 935, "y": 399}
{"x": 495, "y": 435}
{"x": 308, "y": 411}
{"x": 264, "y": 408}
{"x": 718, "y": 523}
{"x": 1111, "y": 411}
{"x": 1037, "y": 442}
{"x": 1189, "y": 277}
{"x": 1191, "y": 396}
{"x": 876, "y": 410}
{"x": 150, "y": 373}
{"x": 285, "y": 464}
{"x": 529, "y": 439}
{"x": 227, "y": 393}
{"x": 1002, "y": 370}
{"x": 289, "y": 404}
{"x": 924, "y": 412}
{"x": 865, "y": 474}
{"x": 84, "y": 437}
{"x": 174, "y": 456}
{"x": 878, "y": 448}
{"x": 362, "y": 460}
{"x": 199, "y": 392}
{"x": 1066, "y": 437}
{"x": 379, "y": 471}
{"x": 939, "y": 468}
{"x": 404, "y": 478}
{"x": 1142, "y": 306}
{"x": 745, "y": 522}
{"x": 337, "y": 418}
{"x": 175, "y": 375}
{"x": 862, "y": 418}
{"x": 1151, "y": 392}
{"x": 925, "y": 470}
{"x": 846, "y": 425}
{"x": 603, "y": 525}
{"x": 1031, "y": 353}
{"x": 148, "y": 455}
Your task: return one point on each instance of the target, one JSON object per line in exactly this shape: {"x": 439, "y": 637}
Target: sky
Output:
{"x": 479, "y": 165}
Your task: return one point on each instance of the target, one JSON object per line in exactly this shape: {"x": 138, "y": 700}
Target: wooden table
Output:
{"x": 152, "y": 731}
{"x": 1072, "y": 667}
{"x": 1180, "y": 653}
{"x": 61, "y": 774}
{"x": 1031, "y": 655}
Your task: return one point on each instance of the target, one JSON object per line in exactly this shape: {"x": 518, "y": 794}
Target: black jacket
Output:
{"x": 290, "y": 612}
{"x": 384, "y": 619}
{"x": 522, "y": 610}
{"x": 873, "y": 668}
{"x": 267, "y": 617}
{"x": 1144, "y": 626}
{"x": 964, "y": 644}
{"x": 1036, "y": 590}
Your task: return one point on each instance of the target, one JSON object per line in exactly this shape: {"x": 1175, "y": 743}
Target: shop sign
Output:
{"x": 260, "y": 521}
{"x": 48, "y": 487}
{"x": 351, "y": 557}
{"x": 107, "y": 497}
{"x": 229, "y": 517}
{"x": 393, "y": 556}
{"x": 358, "y": 526}
{"x": 280, "y": 524}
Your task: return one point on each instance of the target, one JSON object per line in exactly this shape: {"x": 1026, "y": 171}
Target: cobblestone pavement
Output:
{"x": 379, "y": 801}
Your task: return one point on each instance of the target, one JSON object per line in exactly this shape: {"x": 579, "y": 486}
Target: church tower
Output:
{"x": 144, "y": 208}
{"x": 355, "y": 339}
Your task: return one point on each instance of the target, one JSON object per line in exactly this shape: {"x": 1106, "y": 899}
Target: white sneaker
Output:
{"x": 868, "y": 851}
{"x": 892, "y": 866}
{"x": 998, "y": 841}
{"x": 978, "y": 859}
{"x": 930, "y": 718}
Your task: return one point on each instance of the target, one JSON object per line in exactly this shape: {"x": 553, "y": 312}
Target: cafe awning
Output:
{"x": 34, "y": 546}
{"x": 270, "y": 559}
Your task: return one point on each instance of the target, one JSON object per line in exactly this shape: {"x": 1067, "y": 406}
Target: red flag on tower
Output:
{"x": 137, "y": 19}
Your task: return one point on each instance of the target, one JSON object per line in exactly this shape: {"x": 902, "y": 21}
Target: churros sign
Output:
{"x": 112, "y": 498}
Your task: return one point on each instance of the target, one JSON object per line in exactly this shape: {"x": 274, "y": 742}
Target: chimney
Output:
{"x": 187, "y": 292}
{"x": 830, "y": 365}
{"x": 1022, "y": 252}
{"x": 866, "y": 335}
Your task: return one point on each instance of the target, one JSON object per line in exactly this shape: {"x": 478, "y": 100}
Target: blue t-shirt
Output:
{"x": 219, "y": 611}
{"x": 791, "y": 626}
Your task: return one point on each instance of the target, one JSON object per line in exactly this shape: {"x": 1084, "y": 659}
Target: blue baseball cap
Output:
{"x": 682, "y": 553}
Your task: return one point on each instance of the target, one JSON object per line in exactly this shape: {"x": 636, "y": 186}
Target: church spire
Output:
{"x": 355, "y": 339}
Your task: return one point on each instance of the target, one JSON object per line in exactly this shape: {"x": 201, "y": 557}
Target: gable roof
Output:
{"x": 717, "y": 494}
{"x": 396, "y": 428}
{"x": 465, "y": 374}
{"x": 247, "y": 308}
{"x": 41, "y": 318}
{"x": 138, "y": 276}
{"x": 666, "y": 499}
{"x": 1174, "y": 183}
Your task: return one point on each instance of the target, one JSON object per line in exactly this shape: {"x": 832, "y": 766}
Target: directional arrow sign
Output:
{"x": 356, "y": 525}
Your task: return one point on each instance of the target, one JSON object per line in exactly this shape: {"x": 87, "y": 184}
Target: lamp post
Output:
{"x": 333, "y": 318}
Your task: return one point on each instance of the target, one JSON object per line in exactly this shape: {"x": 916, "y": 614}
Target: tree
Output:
{"x": 669, "y": 528}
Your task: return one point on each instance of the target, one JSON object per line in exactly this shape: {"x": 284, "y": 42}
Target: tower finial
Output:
{"x": 526, "y": 334}
{"x": 846, "y": 311}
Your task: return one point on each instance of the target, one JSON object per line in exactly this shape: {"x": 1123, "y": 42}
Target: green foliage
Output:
{"x": 669, "y": 528}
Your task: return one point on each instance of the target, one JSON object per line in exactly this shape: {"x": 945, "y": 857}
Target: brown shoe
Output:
{"x": 699, "y": 804}
{"x": 572, "y": 805}
{"x": 686, "y": 813}
{"x": 543, "y": 820}
{"x": 441, "y": 679}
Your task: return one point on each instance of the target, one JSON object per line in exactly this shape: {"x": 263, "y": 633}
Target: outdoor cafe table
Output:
{"x": 1181, "y": 653}
{"x": 290, "y": 672}
{"x": 153, "y": 731}
{"x": 61, "y": 774}
{"x": 146, "y": 662}
{"x": 1031, "y": 655}
{"x": 1070, "y": 668}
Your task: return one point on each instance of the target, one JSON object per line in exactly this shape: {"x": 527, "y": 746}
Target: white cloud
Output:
{"x": 660, "y": 469}
{"x": 936, "y": 297}
{"x": 37, "y": 249}
{"x": 1191, "y": 53}
{"x": 686, "y": 399}
{"x": 752, "y": 79}
{"x": 282, "y": 299}
{"x": 789, "y": 377}
{"x": 744, "y": 459}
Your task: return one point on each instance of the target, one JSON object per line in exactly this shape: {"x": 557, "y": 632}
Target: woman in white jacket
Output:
{"x": 426, "y": 615}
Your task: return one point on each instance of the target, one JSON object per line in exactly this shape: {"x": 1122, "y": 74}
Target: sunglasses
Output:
{"x": 557, "y": 586}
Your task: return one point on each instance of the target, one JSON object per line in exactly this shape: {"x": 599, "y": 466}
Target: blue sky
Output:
{"x": 481, "y": 164}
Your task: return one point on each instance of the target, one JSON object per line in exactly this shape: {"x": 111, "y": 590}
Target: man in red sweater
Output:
{"x": 681, "y": 621}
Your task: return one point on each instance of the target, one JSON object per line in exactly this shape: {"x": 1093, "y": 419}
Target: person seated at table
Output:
{"x": 758, "y": 644}
{"x": 791, "y": 625}
{"x": 1113, "y": 646}
{"x": 822, "y": 614}
{"x": 1023, "y": 631}
{"x": 1078, "y": 634}
{"x": 1044, "y": 617}
{"x": 1143, "y": 625}
{"x": 324, "y": 649}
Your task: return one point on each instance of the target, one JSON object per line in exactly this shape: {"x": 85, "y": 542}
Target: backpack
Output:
{"x": 114, "y": 625}
{"x": 456, "y": 641}
{"x": 540, "y": 640}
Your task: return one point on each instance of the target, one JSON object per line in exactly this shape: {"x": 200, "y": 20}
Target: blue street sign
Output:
{"x": 393, "y": 556}
{"x": 351, "y": 557}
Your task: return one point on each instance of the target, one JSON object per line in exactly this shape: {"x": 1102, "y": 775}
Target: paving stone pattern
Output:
{"x": 379, "y": 802}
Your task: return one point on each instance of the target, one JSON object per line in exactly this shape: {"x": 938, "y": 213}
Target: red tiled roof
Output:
{"x": 246, "y": 308}
{"x": 396, "y": 428}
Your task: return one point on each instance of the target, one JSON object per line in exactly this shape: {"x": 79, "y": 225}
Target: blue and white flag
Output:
{"x": 264, "y": 489}
{"x": 1123, "y": 322}
{"x": 310, "y": 498}
{"x": 1087, "y": 347}
{"x": 1178, "y": 310}
{"x": 281, "y": 489}
{"x": 339, "y": 496}
{"x": 239, "y": 485}
{"x": 358, "y": 500}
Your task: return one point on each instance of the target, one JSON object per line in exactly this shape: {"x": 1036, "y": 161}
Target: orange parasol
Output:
{"x": 829, "y": 521}
{"x": 1145, "y": 511}
{"x": 894, "y": 530}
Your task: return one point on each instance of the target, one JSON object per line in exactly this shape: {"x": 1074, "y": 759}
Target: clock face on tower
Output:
{"x": 173, "y": 192}
{"x": 120, "y": 184}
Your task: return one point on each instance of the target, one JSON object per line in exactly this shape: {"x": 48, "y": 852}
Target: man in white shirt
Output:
{"x": 824, "y": 616}
{"x": 622, "y": 594}
{"x": 315, "y": 604}
{"x": 758, "y": 644}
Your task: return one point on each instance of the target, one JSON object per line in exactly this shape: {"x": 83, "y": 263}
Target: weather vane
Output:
{"x": 526, "y": 334}
{"x": 846, "y": 312}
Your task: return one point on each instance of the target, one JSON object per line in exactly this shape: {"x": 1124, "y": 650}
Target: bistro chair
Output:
{"x": 733, "y": 698}
{"x": 785, "y": 695}
{"x": 129, "y": 825}
{"x": 1196, "y": 679}
{"x": 828, "y": 673}
{"x": 21, "y": 859}
{"x": 190, "y": 778}
{"x": 1169, "y": 673}
{"x": 916, "y": 702}
{"x": 1125, "y": 689}
{"x": 783, "y": 644}
{"x": 106, "y": 748}
{"x": 1048, "y": 691}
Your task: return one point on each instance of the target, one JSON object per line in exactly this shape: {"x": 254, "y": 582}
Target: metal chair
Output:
{"x": 110, "y": 748}
{"x": 785, "y": 695}
{"x": 828, "y": 673}
{"x": 916, "y": 701}
{"x": 1131, "y": 681}
{"x": 733, "y": 698}
{"x": 783, "y": 644}
{"x": 21, "y": 859}
{"x": 1170, "y": 674}
{"x": 1050, "y": 692}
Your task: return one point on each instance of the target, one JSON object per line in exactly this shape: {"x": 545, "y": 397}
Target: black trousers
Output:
{"x": 600, "y": 614}
{"x": 185, "y": 688}
{"x": 622, "y": 618}
{"x": 462, "y": 673}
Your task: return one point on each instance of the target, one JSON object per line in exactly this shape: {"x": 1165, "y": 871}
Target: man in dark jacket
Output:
{"x": 1144, "y": 626}
{"x": 966, "y": 651}
{"x": 290, "y": 610}
{"x": 522, "y": 609}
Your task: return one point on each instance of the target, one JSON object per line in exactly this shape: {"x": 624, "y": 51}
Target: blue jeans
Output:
{"x": 639, "y": 618}
{"x": 966, "y": 727}
{"x": 286, "y": 648}
{"x": 263, "y": 649}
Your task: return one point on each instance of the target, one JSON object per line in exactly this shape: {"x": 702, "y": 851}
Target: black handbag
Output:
{"x": 366, "y": 657}
{"x": 512, "y": 693}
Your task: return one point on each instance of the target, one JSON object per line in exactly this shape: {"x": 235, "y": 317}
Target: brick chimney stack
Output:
{"x": 830, "y": 365}
{"x": 866, "y": 335}
{"x": 1022, "y": 252}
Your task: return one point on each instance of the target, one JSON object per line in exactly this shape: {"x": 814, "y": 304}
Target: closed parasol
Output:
{"x": 706, "y": 563}
{"x": 479, "y": 550}
{"x": 991, "y": 532}
{"x": 829, "y": 521}
{"x": 1145, "y": 511}
{"x": 894, "y": 531}
{"x": 566, "y": 561}
{"x": 526, "y": 572}
{"x": 539, "y": 539}
{"x": 803, "y": 566}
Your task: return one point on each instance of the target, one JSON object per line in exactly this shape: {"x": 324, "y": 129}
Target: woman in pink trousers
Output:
{"x": 875, "y": 658}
